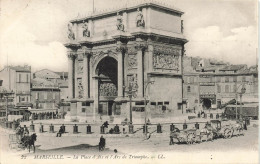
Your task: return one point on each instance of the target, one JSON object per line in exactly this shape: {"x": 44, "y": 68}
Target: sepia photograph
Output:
{"x": 129, "y": 81}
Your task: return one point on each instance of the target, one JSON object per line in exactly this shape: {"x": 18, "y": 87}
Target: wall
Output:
{"x": 164, "y": 21}
{"x": 166, "y": 89}
{"x": 49, "y": 102}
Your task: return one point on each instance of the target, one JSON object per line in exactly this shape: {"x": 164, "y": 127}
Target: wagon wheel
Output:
{"x": 227, "y": 133}
{"x": 190, "y": 138}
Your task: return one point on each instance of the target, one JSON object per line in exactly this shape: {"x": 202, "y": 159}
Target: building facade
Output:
{"x": 214, "y": 85}
{"x": 135, "y": 50}
{"x": 6, "y": 102}
{"x": 18, "y": 80}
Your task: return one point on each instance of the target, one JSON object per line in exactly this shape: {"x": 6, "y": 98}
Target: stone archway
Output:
{"x": 106, "y": 72}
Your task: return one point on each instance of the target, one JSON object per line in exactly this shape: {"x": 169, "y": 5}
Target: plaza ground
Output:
{"x": 82, "y": 143}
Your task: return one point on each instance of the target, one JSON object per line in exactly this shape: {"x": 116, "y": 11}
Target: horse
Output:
{"x": 28, "y": 141}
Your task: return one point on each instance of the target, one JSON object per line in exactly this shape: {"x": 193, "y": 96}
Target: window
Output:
{"x": 191, "y": 79}
{"x": 234, "y": 78}
{"x": 188, "y": 79}
{"x": 139, "y": 103}
{"x": 83, "y": 110}
{"x": 188, "y": 89}
{"x": 219, "y": 89}
{"x": 68, "y": 109}
{"x": 227, "y": 89}
{"x": 85, "y": 103}
{"x": 179, "y": 106}
{"x": 166, "y": 103}
{"x": 160, "y": 103}
{"x": 27, "y": 78}
{"x": 20, "y": 78}
{"x": 45, "y": 95}
{"x": 243, "y": 79}
{"x": 235, "y": 88}
{"x": 153, "y": 103}
{"x": 226, "y": 79}
{"x": 196, "y": 101}
{"x": 218, "y": 79}
{"x": 37, "y": 95}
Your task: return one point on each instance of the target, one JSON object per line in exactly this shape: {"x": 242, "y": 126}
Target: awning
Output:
{"x": 42, "y": 110}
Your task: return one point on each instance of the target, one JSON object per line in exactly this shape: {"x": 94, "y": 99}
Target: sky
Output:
{"x": 33, "y": 31}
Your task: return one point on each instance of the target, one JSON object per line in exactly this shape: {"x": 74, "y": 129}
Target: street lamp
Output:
{"x": 145, "y": 111}
{"x": 130, "y": 93}
{"x": 243, "y": 90}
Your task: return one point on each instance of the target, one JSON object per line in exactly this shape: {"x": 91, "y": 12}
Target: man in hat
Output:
{"x": 26, "y": 131}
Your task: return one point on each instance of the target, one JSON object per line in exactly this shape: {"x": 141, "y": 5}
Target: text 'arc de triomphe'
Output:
{"x": 113, "y": 53}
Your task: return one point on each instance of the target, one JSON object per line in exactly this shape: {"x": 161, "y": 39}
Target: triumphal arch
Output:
{"x": 118, "y": 59}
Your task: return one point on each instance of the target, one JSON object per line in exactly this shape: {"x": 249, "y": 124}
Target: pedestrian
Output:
{"x": 102, "y": 143}
{"x": 105, "y": 124}
{"x": 26, "y": 131}
{"x": 19, "y": 132}
{"x": 171, "y": 140}
{"x": 60, "y": 132}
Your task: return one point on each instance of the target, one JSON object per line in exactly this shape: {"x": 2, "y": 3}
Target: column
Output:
{"x": 70, "y": 73}
{"x": 140, "y": 72}
{"x": 85, "y": 78}
{"x": 120, "y": 74}
{"x": 140, "y": 47}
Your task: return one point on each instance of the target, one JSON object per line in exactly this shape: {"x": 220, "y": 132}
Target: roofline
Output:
{"x": 114, "y": 12}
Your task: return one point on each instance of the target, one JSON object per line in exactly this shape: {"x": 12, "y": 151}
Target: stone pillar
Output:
{"x": 96, "y": 97}
{"x": 150, "y": 57}
{"x": 140, "y": 73}
{"x": 120, "y": 67}
{"x": 85, "y": 78}
{"x": 71, "y": 61}
{"x": 140, "y": 46}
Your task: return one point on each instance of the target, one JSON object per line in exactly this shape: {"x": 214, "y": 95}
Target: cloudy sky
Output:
{"x": 33, "y": 31}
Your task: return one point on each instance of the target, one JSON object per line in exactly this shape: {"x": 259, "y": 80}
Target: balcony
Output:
{"x": 24, "y": 104}
{"x": 23, "y": 93}
{"x": 207, "y": 83}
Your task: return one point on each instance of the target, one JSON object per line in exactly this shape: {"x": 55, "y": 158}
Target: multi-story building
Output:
{"x": 211, "y": 84}
{"x": 45, "y": 96}
{"x": 18, "y": 79}
{"x": 6, "y": 102}
{"x": 58, "y": 78}
{"x": 56, "y": 82}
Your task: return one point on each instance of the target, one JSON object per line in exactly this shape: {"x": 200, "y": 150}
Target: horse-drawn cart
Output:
{"x": 15, "y": 141}
{"x": 184, "y": 136}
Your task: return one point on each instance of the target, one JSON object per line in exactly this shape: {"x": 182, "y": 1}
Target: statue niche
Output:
{"x": 86, "y": 32}
{"x": 71, "y": 34}
{"x": 139, "y": 19}
{"x": 120, "y": 26}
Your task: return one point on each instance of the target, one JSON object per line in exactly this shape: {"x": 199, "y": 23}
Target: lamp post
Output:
{"x": 130, "y": 93}
{"x": 145, "y": 111}
{"x": 243, "y": 90}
